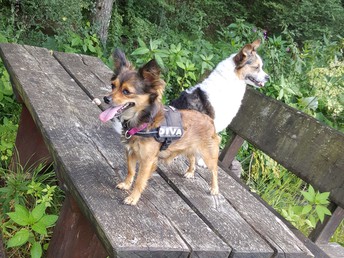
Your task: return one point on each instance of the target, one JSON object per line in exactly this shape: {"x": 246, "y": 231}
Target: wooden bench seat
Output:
{"x": 175, "y": 217}
{"x": 309, "y": 149}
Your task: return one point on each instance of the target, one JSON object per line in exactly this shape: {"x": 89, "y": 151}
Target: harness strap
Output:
{"x": 170, "y": 129}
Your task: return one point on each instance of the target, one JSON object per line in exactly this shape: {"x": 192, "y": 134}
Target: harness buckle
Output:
{"x": 127, "y": 135}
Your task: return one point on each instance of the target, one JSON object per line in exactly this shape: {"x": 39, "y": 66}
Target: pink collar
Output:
{"x": 134, "y": 130}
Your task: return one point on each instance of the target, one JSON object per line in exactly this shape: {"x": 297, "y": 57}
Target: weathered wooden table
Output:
{"x": 175, "y": 217}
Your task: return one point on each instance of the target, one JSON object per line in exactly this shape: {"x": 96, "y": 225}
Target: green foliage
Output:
{"x": 281, "y": 190}
{"x": 181, "y": 67}
{"x": 32, "y": 227}
{"x": 306, "y": 19}
{"x": 9, "y": 112}
{"x": 32, "y": 20}
{"x": 30, "y": 202}
{"x": 314, "y": 208}
{"x": 84, "y": 42}
{"x": 8, "y": 131}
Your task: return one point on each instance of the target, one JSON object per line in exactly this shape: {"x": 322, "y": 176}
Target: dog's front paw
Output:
{"x": 189, "y": 175}
{"x": 131, "y": 199}
{"x": 214, "y": 191}
{"x": 123, "y": 186}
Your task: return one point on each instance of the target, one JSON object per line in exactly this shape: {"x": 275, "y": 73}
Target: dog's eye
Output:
{"x": 126, "y": 92}
{"x": 113, "y": 86}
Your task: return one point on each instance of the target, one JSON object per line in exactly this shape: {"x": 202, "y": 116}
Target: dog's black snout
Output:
{"x": 107, "y": 99}
{"x": 267, "y": 77}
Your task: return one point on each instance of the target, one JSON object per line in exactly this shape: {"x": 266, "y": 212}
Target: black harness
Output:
{"x": 171, "y": 129}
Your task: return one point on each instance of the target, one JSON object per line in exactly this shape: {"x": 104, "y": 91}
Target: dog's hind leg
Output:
{"x": 147, "y": 167}
{"x": 190, "y": 173}
{"x": 131, "y": 164}
{"x": 210, "y": 156}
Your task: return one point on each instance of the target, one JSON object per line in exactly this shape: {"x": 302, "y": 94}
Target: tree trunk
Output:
{"x": 102, "y": 18}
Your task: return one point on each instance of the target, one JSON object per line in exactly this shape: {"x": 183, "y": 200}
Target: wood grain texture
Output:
{"x": 236, "y": 214}
{"x": 303, "y": 145}
{"x": 90, "y": 159}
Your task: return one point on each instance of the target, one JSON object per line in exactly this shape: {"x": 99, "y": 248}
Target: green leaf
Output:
{"x": 181, "y": 65}
{"x": 142, "y": 43}
{"x": 38, "y": 212}
{"x": 322, "y": 198}
{"x": 321, "y": 211}
{"x": 40, "y": 228}
{"x": 36, "y": 250}
{"x": 76, "y": 41}
{"x": 140, "y": 51}
{"x": 306, "y": 209}
{"x": 91, "y": 48}
{"x": 297, "y": 209}
{"x": 309, "y": 195}
{"x": 20, "y": 238}
{"x": 309, "y": 223}
{"x": 281, "y": 93}
{"x": 309, "y": 102}
{"x": 20, "y": 216}
{"x": 312, "y": 221}
{"x": 49, "y": 220}
{"x": 159, "y": 61}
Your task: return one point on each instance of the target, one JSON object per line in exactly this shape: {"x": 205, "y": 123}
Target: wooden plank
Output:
{"x": 67, "y": 241}
{"x": 246, "y": 207}
{"x": 334, "y": 250}
{"x": 30, "y": 147}
{"x": 80, "y": 144}
{"x": 303, "y": 145}
{"x": 217, "y": 212}
{"x": 89, "y": 72}
{"x": 230, "y": 151}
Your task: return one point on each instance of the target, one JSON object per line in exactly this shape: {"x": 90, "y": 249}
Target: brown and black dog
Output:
{"x": 136, "y": 101}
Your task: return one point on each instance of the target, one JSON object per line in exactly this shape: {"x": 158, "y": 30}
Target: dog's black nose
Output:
{"x": 267, "y": 77}
{"x": 107, "y": 99}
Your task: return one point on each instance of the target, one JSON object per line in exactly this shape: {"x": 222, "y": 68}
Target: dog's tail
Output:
{"x": 196, "y": 100}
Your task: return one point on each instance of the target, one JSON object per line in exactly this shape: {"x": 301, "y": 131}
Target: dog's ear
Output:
{"x": 246, "y": 52}
{"x": 255, "y": 44}
{"x": 150, "y": 71}
{"x": 120, "y": 61}
{"x": 155, "y": 86}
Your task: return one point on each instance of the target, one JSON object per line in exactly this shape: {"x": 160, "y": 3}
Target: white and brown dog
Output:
{"x": 220, "y": 95}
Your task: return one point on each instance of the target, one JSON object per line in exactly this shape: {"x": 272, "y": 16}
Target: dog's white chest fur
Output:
{"x": 225, "y": 92}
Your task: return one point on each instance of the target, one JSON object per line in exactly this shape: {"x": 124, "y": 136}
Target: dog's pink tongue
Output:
{"x": 108, "y": 113}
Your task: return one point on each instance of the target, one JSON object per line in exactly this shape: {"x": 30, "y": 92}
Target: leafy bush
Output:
{"x": 32, "y": 225}
{"x": 9, "y": 112}
{"x": 283, "y": 191}
{"x": 30, "y": 202}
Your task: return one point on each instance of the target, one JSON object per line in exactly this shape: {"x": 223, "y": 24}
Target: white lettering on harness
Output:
{"x": 169, "y": 131}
